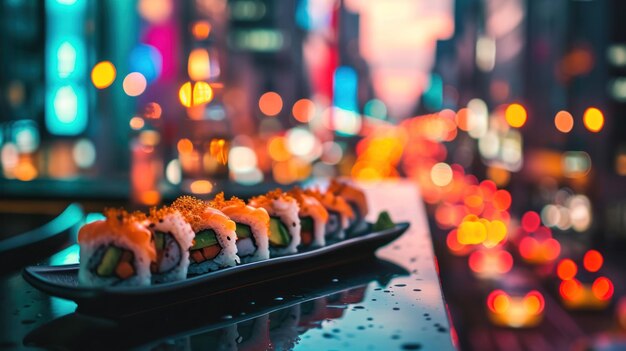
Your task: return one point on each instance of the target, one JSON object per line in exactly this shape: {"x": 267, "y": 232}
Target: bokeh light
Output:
{"x": 270, "y": 103}
{"x": 134, "y": 84}
{"x": 592, "y": 261}
{"x": 441, "y": 174}
{"x": 515, "y": 115}
{"x": 191, "y": 95}
{"x": 566, "y": 269}
{"x": 593, "y": 119}
{"x": 136, "y": 123}
{"x": 563, "y": 121}
{"x": 103, "y": 74}
{"x": 303, "y": 110}
{"x": 201, "y": 187}
{"x": 201, "y": 30}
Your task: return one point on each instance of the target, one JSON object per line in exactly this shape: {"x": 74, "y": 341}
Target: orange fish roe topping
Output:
{"x": 268, "y": 198}
{"x": 309, "y": 204}
{"x": 219, "y": 202}
{"x": 191, "y": 208}
{"x": 350, "y": 193}
{"x": 157, "y": 214}
{"x": 332, "y": 202}
{"x": 119, "y": 222}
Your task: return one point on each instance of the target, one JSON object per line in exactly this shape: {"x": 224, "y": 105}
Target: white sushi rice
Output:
{"x": 141, "y": 261}
{"x": 226, "y": 238}
{"x": 287, "y": 211}
{"x": 319, "y": 224}
{"x": 247, "y": 250}
{"x": 175, "y": 225}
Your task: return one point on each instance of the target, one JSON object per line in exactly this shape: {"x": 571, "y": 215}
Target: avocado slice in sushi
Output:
{"x": 243, "y": 231}
{"x": 159, "y": 240}
{"x": 279, "y": 234}
{"x": 204, "y": 238}
{"x": 109, "y": 261}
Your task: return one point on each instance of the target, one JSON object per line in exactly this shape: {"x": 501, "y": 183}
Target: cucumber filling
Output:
{"x": 168, "y": 253}
{"x": 279, "y": 234}
{"x": 112, "y": 261}
{"x": 205, "y": 246}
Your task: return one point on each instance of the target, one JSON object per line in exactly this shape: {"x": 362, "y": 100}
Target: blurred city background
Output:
{"x": 509, "y": 115}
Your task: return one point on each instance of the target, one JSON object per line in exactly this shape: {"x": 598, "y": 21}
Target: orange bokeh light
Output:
{"x": 567, "y": 269}
{"x": 184, "y": 146}
{"x": 602, "y": 288}
{"x": 571, "y": 289}
{"x": 563, "y": 121}
{"x": 201, "y": 30}
{"x": 534, "y": 302}
{"x": 593, "y": 119}
{"x": 201, "y": 187}
{"x": 593, "y": 261}
{"x": 502, "y": 200}
{"x": 515, "y": 115}
{"x": 303, "y": 110}
{"x": 270, "y": 103}
{"x": 462, "y": 117}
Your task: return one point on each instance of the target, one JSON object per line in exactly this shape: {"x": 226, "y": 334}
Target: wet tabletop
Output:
{"x": 392, "y": 301}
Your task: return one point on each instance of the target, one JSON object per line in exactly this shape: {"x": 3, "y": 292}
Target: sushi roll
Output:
{"x": 340, "y": 214}
{"x": 355, "y": 197}
{"x": 214, "y": 242}
{"x": 172, "y": 237}
{"x": 283, "y": 328}
{"x": 252, "y": 227}
{"x": 115, "y": 251}
{"x": 313, "y": 219}
{"x": 254, "y": 334}
{"x": 284, "y": 236}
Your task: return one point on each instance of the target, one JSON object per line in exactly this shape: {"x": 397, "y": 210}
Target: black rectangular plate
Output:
{"x": 62, "y": 281}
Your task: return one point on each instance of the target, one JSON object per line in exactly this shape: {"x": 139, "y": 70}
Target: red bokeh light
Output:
{"x": 531, "y": 221}
{"x": 593, "y": 261}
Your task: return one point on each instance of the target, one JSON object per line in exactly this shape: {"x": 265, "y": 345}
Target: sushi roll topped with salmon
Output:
{"x": 284, "y": 236}
{"x": 355, "y": 197}
{"x": 116, "y": 251}
{"x": 214, "y": 242}
{"x": 340, "y": 214}
{"x": 252, "y": 227}
{"x": 313, "y": 218}
{"x": 172, "y": 237}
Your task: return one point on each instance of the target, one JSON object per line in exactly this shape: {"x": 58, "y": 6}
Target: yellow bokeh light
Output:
{"x": 471, "y": 231}
{"x": 196, "y": 94}
{"x": 593, "y": 119}
{"x": 564, "y": 122}
{"x": 496, "y": 232}
{"x": 515, "y": 115}
{"x": 199, "y": 65}
{"x": 103, "y": 74}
